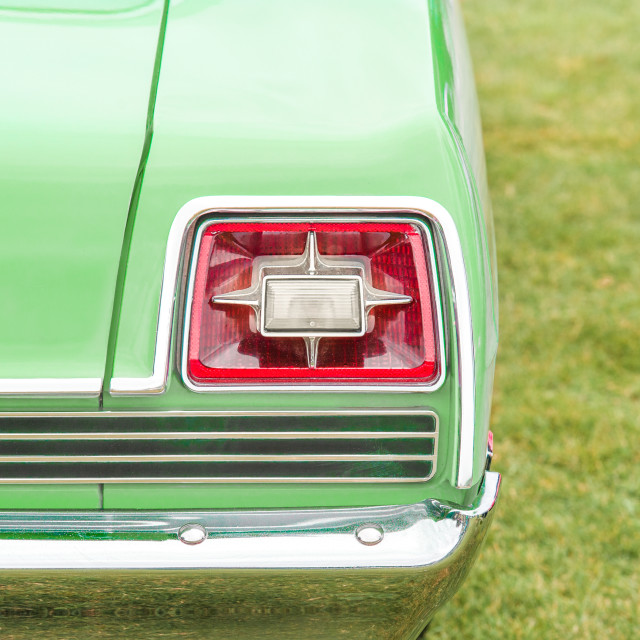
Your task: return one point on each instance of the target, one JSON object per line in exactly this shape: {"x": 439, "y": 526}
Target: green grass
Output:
{"x": 558, "y": 85}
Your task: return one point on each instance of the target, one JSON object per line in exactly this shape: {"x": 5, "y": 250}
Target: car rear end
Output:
{"x": 284, "y": 431}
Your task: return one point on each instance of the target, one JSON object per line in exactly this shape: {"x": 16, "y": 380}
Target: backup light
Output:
{"x": 301, "y": 300}
{"x": 313, "y": 306}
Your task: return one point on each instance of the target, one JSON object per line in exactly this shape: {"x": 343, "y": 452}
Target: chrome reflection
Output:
{"x": 415, "y": 535}
{"x": 391, "y": 589}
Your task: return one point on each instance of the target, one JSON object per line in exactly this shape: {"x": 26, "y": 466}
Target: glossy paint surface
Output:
{"x": 458, "y": 105}
{"x": 51, "y": 496}
{"x": 307, "y": 98}
{"x": 75, "y": 89}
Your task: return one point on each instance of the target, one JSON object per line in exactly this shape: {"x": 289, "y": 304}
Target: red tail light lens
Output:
{"x": 303, "y": 301}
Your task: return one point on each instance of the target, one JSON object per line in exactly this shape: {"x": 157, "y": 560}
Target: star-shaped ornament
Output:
{"x": 311, "y": 296}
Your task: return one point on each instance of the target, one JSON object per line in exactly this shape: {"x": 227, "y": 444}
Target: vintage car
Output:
{"x": 249, "y": 318}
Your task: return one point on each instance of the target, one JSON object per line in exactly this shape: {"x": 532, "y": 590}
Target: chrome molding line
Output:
{"x": 195, "y": 457}
{"x": 226, "y": 435}
{"x": 225, "y": 413}
{"x": 247, "y": 206}
{"x": 212, "y": 480}
{"x": 51, "y": 387}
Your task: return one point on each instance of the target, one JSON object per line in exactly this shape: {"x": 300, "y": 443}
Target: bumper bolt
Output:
{"x": 369, "y": 534}
{"x": 192, "y": 534}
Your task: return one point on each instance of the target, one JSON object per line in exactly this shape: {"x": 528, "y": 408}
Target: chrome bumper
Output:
{"x": 268, "y": 574}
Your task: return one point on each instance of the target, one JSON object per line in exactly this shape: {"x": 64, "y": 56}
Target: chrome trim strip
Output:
{"x": 210, "y": 480}
{"x": 343, "y": 205}
{"x": 47, "y": 387}
{"x": 196, "y": 457}
{"x": 223, "y": 413}
{"x": 248, "y": 206}
{"x": 226, "y": 435}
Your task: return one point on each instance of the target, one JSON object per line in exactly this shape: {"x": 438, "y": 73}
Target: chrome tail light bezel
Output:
{"x": 321, "y": 217}
{"x": 450, "y": 259}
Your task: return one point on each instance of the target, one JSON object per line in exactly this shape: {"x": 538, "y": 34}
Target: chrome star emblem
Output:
{"x": 311, "y": 296}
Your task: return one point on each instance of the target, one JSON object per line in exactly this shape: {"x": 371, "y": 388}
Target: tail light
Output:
{"x": 302, "y": 302}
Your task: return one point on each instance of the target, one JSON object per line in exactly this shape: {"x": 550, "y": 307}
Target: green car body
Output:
{"x": 119, "y": 114}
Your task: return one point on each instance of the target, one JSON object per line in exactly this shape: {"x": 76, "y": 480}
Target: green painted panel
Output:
{"x": 74, "y": 6}
{"x": 256, "y": 496}
{"x": 53, "y": 496}
{"x": 72, "y": 126}
{"x": 339, "y": 97}
{"x": 308, "y": 98}
{"x": 458, "y": 105}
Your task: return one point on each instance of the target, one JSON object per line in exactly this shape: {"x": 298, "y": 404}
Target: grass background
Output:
{"x": 559, "y": 87}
